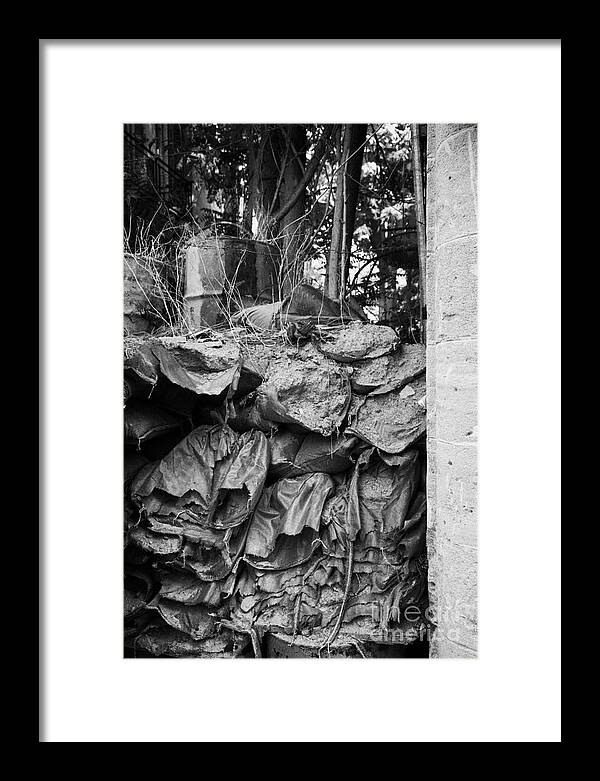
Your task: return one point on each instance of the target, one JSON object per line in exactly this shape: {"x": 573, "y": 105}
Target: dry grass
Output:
{"x": 161, "y": 257}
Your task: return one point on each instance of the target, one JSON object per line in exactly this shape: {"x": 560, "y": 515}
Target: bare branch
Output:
{"x": 311, "y": 168}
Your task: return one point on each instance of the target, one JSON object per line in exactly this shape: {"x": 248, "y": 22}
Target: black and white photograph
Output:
{"x": 300, "y": 390}
{"x": 277, "y": 432}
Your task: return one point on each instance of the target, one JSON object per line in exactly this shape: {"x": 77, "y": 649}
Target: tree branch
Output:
{"x": 311, "y": 168}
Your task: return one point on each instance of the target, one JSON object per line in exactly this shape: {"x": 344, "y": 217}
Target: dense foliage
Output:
{"x": 227, "y": 165}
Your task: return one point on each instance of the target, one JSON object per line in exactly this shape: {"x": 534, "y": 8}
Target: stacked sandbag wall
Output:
{"x": 275, "y": 495}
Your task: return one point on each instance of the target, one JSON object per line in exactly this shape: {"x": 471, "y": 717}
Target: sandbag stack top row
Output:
{"x": 273, "y": 487}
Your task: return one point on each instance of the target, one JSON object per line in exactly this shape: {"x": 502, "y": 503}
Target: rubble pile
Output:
{"x": 274, "y": 492}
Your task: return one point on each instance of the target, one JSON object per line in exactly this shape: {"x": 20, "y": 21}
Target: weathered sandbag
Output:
{"x": 265, "y": 599}
{"x": 390, "y": 420}
{"x": 356, "y": 342}
{"x": 388, "y": 556}
{"x": 166, "y": 641}
{"x": 371, "y": 505}
{"x": 284, "y": 530}
{"x": 185, "y": 587}
{"x": 387, "y": 560}
{"x": 152, "y": 542}
{"x": 308, "y": 301}
{"x": 212, "y": 478}
{"x": 408, "y": 540}
{"x": 394, "y": 370}
{"x": 140, "y": 361}
{"x": 261, "y": 317}
{"x": 379, "y": 508}
{"x": 295, "y": 453}
{"x": 205, "y": 366}
{"x": 217, "y": 561}
{"x": 145, "y": 421}
{"x": 385, "y": 494}
{"x": 195, "y": 502}
{"x": 305, "y": 303}
{"x": 211, "y": 555}
{"x": 245, "y": 416}
{"x": 256, "y": 356}
{"x": 305, "y": 388}
{"x": 399, "y": 581}
{"x": 193, "y": 620}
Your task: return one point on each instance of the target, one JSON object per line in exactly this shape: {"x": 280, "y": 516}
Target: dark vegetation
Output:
{"x": 338, "y": 202}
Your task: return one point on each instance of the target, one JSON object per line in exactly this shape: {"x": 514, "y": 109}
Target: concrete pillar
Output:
{"x": 451, "y": 212}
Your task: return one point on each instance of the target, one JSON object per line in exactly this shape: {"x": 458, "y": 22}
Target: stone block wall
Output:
{"x": 451, "y": 298}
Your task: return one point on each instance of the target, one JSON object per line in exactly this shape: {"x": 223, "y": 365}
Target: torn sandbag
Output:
{"x": 151, "y": 542}
{"x": 309, "y": 301}
{"x": 145, "y": 421}
{"x": 386, "y": 524}
{"x": 211, "y": 538}
{"x": 185, "y": 587}
{"x": 193, "y": 620}
{"x": 211, "y": 555}
{"x": 406, "y": 541}
{"x": 284, "y": 530}
{"x": 206, "y": 366}
{"x": 390, "y": 420}
{"x": 343, "y": 514}
{"x": 296, "y": 453}
{"x": 394, "y": 370}
{"x": 384, "y": 494}
{"x": 356, "y": 342}
{"x": 305, "y": 303}
{"x": 265, "y": 599}
{"x": 212, "y": 478}
{"x": 304, "y": 388}
{"x": 140, "y": 361}
{"x": 245, "y": 416}
{"x": 214, "y": 562}
{"x": 261, "y": 317}
{"x": 256, "y": 353}
{"x": 166, "y": 641}
{"x": 195, "y": 502}
{"x": 389, "y": 565}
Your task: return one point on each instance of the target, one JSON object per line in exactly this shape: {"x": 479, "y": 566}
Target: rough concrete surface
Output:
{"x": 452, "y": 386}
